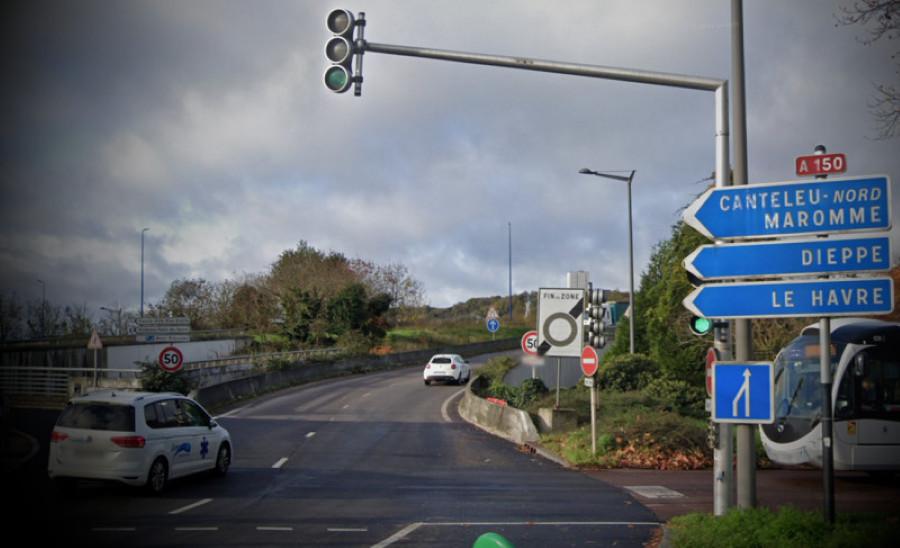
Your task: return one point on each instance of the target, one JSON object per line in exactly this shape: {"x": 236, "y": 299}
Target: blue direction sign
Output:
{"x": 784, "y": 299}
{"x": 793, "y": 208}
{"x": 743, "y": 392}
{"x": 493, "y": 325}
{"x": 790, "y": 258}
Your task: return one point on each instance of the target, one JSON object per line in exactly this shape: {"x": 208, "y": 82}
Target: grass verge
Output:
{"x": 633, "y": 431}
{"x": 786, "y": 527}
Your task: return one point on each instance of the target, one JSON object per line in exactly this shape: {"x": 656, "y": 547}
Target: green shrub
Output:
{"x": 677, "y": 395}
{"x": 154, "y": 379}
{"x": 628, "y": 372}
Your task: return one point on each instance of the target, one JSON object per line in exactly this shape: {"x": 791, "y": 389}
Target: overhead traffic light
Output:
{"x": 340, "y": 50}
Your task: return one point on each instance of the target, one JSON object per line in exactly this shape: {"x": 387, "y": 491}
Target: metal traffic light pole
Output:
{"x": 723, "y": 483}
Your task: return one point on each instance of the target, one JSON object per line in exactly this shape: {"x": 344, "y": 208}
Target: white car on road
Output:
{"x": 136, "y": 438}
{"x": 447, "y": 368}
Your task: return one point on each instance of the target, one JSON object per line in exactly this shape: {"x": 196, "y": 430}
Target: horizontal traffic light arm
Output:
{"x": 538, "y": 65}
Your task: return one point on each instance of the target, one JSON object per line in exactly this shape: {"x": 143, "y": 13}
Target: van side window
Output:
{"x": 196, "y": 415}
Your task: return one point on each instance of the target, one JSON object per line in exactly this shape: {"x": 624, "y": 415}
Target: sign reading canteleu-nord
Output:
{"x": 793, "y": 208}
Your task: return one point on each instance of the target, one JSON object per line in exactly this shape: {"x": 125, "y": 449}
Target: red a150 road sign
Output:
{"x": 821, "y": 164}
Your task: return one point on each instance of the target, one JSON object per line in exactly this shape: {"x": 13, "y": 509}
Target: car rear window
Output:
{"x": 97, "y": 416}
{"x": 440, "y": 360}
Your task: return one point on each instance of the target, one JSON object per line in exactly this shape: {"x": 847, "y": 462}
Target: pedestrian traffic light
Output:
{"x": 339, "y": 50}
{"x": 701, "y": 326}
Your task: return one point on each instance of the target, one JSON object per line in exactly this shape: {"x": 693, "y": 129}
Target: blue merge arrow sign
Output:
{"x": 743, "y": 392}
{"x": 790, "y": 258}
{"x": 793, "y": 299}
{"x": 793, "y": 208}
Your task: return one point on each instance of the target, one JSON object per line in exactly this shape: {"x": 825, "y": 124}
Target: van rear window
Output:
{"x": 97, "y": 416}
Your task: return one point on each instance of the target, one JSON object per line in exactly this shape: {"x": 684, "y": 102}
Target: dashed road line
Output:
{"x": 280, "y": 463}
{"x": 311, "y": 434}
{"x": 197, "y": 529}
{"x": 347, "y": 529}
{"x": 190, "y": 506}
{"x": 275, "y": 529}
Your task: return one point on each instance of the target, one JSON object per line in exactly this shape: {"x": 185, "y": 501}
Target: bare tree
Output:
{"x": 881, "y": 18}
{"x": 10, "y": 318}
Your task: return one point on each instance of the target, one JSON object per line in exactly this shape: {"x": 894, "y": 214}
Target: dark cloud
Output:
{"x": 208, "y": 122}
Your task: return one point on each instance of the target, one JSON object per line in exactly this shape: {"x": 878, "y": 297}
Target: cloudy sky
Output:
{"x": 208, "y": 123}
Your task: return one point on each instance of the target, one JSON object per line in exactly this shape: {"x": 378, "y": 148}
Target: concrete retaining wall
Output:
{"x": 303, "y": 372}
{"x": 509, "y": 423}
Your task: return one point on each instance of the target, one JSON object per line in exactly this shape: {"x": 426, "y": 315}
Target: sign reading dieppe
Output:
{"x": 790, "y": 258}
{"x": 800, "y": 298}
{"x": 793, "y": 208}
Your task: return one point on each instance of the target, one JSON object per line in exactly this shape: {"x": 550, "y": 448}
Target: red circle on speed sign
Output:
{"x": 590, "y": 361}
{"x": 171, "y": 359}
{"x": 529, "y": 343}
{"x": 712, "y": 356}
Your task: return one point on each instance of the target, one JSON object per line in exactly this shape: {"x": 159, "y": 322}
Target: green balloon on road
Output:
{"x": 492, "y": 540}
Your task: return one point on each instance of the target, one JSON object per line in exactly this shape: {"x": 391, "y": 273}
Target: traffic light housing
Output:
{"x": 701, "y": 326}
{"x": 593, "y": 323}
{"x": 340, "y": 50}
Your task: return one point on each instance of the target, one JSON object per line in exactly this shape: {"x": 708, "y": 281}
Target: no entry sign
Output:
{"x": 590, "y": 362}
{"x": 171, "y": 359}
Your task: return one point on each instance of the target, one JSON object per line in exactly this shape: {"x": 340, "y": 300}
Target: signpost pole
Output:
{"x": 95, "y": 368}
{"x": 593, "y": 418}
{"x": 557, "y": 381}
{"x": 827, "y": 419}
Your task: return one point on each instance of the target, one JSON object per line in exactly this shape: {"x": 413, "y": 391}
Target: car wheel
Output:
{"x": 158, "y": 476}
{"x": 223, "y": 460}
{"x": 427, "y": 382}
{"x": 65, "y": 486}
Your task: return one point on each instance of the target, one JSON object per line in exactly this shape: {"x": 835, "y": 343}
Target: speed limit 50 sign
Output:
{"x": 171, "y": 359}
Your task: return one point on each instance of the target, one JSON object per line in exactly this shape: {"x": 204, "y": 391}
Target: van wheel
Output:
{"x": 158, "y": 476}
{"x": 223, "y": 460}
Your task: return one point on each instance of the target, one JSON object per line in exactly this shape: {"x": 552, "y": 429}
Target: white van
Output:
{"x": 136, "y": 438}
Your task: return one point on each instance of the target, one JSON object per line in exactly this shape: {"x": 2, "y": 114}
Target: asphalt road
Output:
{"x": 373, "y": 460}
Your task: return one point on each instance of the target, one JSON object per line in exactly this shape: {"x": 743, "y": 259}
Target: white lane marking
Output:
{"x": 654, "y": 491}
{"x": 113, "y": 529}
{"x": 275, "y": 529}
{"x": 196, "y": 529}
{"x": 230, "y": 413}
{"x": 444, "y": 412}
{"x": 346, "y": 406}
{"x": 280, "y": 462}
{"x": 311, "y": 434}
{"x": 190, "y": 506}
{"x": 367, "y": 394}
{"x": 399, "y": 535}
{"x": 347, "y": 529}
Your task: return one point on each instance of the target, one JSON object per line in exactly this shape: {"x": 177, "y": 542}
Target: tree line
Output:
{"x": 307, "y": 297}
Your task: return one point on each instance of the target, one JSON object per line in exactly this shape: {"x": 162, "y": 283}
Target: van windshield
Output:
{"x": 97, "y": 416}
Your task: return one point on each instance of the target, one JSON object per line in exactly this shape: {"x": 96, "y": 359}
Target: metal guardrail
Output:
{"x": 50, "y": 382}
{"x": 54, "y": 382}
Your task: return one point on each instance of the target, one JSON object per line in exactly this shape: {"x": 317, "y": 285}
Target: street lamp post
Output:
{"x": 586, "y": 171}
{"x": 43, "y": 308}
{"x": 142, "y": 270}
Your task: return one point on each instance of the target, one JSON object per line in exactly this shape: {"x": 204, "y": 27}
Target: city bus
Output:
{"x": 865, "y": 395}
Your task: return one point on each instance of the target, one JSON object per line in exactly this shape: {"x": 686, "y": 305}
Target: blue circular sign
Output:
{"x": 493, "y": 325}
